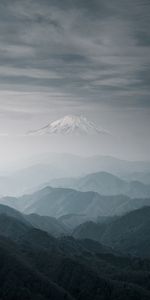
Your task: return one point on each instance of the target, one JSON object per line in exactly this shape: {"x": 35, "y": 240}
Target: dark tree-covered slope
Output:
{"x": 83, "y": 268}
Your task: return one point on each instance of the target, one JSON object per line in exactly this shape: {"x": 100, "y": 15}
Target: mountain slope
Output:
{"x": 89, "y": 230}
{"x": 73, "y": 220}
{"x": 84, "y": 269}
{"x": 11, "y": 212}
{"x": 70, "y": 125}
{"x": 49, "y": 224}
{"x": 58, "y": 202}
{"x": 105, "y": 184}
{"x": 128, "y": 233}
{"x": 20, "y": 280}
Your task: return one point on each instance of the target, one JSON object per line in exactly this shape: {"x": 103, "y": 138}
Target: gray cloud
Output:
{"x": 75, "y": 46}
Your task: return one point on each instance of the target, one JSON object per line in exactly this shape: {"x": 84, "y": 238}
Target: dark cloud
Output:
{"x": 80, "y": 48}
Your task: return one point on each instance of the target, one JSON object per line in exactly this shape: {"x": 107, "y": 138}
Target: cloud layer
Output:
{"x": 91, "y": 50}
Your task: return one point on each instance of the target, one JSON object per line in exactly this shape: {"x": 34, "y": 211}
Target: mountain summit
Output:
{"x": 70, "y": 125}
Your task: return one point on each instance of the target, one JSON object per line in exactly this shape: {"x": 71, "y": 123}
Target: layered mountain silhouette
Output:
{"x": 49, "y": 224}
{"x": 105, "y": 183}
{"x": 58, "y": 202}
{"x": 82, "y": 238}
{"x": 35, "y": 265}
{"x": 40, "y": 170}
{"x": 128, "y": 233}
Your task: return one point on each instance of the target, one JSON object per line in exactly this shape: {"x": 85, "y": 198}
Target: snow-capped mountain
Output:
{"x": 70, "y": 125}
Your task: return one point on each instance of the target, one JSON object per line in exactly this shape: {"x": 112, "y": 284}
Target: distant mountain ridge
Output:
{"x": 57, "y": 202}
{"x": 43, "y": 168}
{"x": 105, "y": 183}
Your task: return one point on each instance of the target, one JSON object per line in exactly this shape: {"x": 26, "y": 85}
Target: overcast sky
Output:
{"x": 87, "y": 57}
